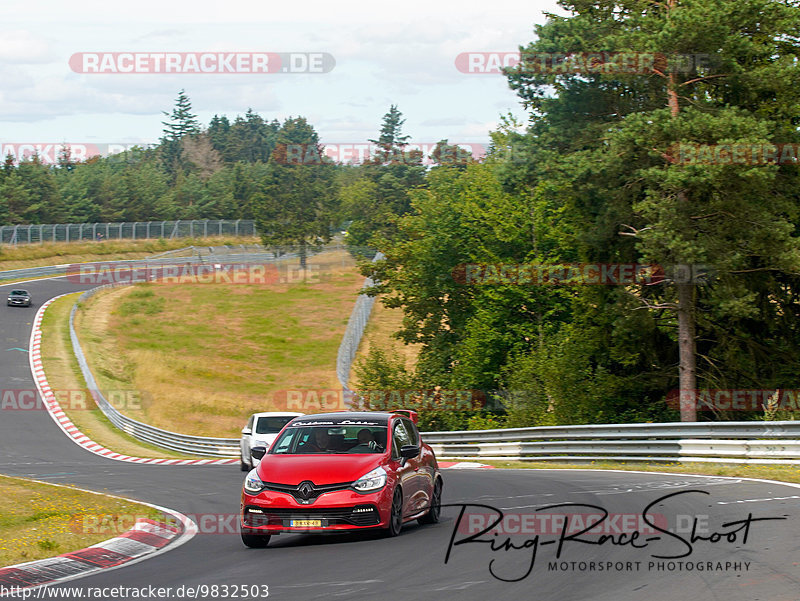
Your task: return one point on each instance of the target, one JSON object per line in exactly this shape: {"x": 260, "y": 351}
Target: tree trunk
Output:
{"x": 686, "y": 351}
{"x": 686, "y": 304}
{"x": 303, "y": 255}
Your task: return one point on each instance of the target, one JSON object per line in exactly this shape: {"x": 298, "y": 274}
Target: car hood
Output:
{"x": 320, "y": 469}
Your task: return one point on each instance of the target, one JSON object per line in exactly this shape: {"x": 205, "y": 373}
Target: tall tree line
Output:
{"x": 597, "y": 177}
{"x": 195, "y": 172}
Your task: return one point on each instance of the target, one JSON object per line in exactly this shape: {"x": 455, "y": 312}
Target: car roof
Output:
{"x": 364, "y": 418}
{"x": 278, "y": 414}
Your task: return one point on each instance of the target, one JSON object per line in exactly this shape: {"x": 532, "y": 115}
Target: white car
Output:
{"x": 260, "y": 431}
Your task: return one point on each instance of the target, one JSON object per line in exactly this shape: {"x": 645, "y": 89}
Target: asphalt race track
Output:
{"x": 756, "y": 560}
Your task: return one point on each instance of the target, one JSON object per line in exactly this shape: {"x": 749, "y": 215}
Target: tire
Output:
{"x": 395, "y": 514}
{"x": 255, "y": 541}
{"x": 243, "y": 466}
{"x": 435, "y": 511}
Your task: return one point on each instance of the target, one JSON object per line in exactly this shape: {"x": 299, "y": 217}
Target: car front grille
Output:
{"x": 306, "y": 492}
{"x": 359, "y": 515}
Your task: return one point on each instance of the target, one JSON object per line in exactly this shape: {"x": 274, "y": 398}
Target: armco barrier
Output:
{"x": 199, "y": 258}
{"x": 195, "y": 445}
{"x": 719, "y": 442}
{"x": 355, "y": 330}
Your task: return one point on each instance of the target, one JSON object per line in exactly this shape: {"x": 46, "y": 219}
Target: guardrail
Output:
{"x": 184, "y": 443}
{"x": 718, "y": 442}
{"x": 199, "y": 255}
{"x": 352, "y": 335}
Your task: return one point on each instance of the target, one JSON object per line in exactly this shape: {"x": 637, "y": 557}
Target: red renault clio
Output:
{"x": 343, "y": 471}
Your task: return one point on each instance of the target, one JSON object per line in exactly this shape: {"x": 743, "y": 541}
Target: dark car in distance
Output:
{"x": 19, "y": 298}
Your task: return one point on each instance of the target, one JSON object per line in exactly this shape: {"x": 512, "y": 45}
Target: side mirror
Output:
{"x": 409, "y": 451}
{"x": 247, "y": 431}
{"x": 258, "y": 452}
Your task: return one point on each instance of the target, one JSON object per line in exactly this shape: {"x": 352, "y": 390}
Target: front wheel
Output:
{"x": 396, "y": 515}
{"x": 242, "y": 465}
{"x": 435, "y": 510}
{"x": 255, "y": 541}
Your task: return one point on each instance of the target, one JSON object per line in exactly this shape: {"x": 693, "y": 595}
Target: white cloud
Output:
{"x": 23, "y": 47}
{"x": 396, "y": 53}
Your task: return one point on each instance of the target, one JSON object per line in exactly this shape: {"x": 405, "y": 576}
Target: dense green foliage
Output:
{"x": 218, "y": 172}
{"x": 595, "y": 179}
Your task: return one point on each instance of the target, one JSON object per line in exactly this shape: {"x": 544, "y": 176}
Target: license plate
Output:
{"x": 306, "y": 523}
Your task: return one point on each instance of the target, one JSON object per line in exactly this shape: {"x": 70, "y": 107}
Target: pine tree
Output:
{"x": 606, "y": 140}
{"x": 182, "y": 122}
{"x": 391, "y": 142}
{"x": 295, "y": 204}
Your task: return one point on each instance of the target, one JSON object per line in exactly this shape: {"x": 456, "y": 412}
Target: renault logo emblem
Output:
{"x": 305, "y": 490}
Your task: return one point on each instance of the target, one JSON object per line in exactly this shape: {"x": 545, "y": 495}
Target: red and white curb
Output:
{"x": 144, "y": 540}
{"x": 66, "y": 425}
{"x": 461, "y": 465}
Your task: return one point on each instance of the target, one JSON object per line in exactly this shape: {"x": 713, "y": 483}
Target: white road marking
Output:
{"x": 344, "y": 583}
{"x": 758, "y": 500}
{"x": 459, "y": 586}
{"x": 659, "y": 485}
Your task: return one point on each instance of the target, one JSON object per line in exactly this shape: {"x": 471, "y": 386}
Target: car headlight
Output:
{"x": 372, "y": 481}
{"x": 252, "y": 483}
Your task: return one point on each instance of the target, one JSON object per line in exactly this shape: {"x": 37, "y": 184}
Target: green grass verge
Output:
{"x": 39, "y": 520}
{"x": 65, "y": 379}
{"x": 199, "y": 358}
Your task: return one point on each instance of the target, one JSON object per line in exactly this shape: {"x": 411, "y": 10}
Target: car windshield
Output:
{"x": 272, "y": 424}
{"x": 350, "y": 439}
{"x": 19, "y": 293}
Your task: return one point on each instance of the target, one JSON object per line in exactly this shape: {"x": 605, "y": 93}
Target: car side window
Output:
{"x": 284, "y": 444}
{"x": 250, "y": 422}
{"x": 400, "y": 438}
{"x": 413, "y": 436}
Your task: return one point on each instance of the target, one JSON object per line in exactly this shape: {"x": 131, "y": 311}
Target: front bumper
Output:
{"x": 272, "y": 512}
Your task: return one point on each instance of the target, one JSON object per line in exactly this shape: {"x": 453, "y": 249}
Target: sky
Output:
{"x": 375, "y": 53}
